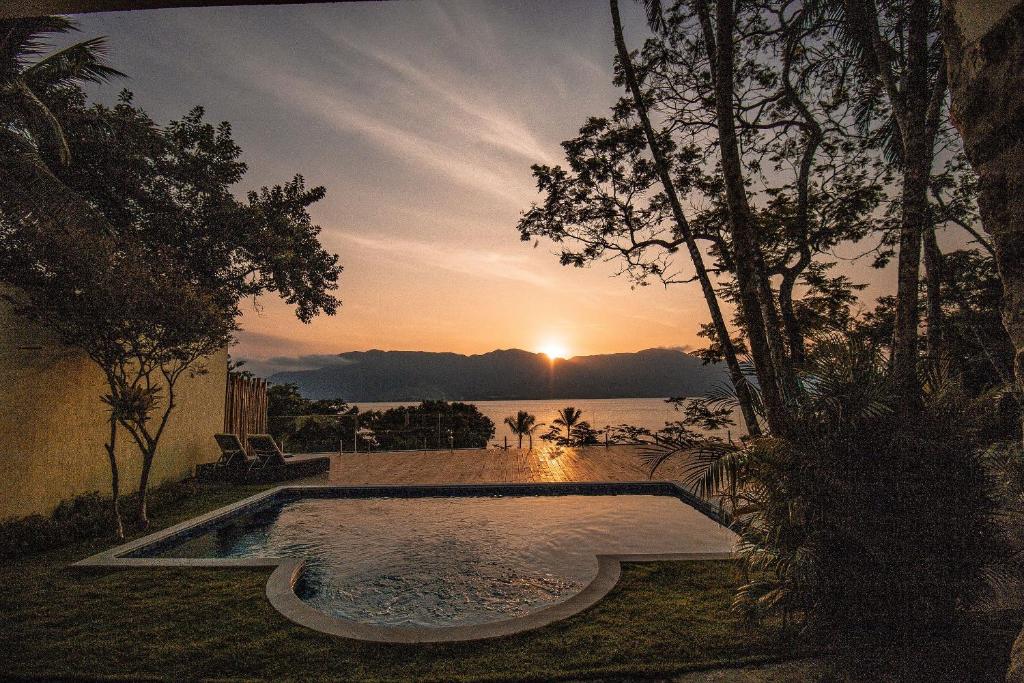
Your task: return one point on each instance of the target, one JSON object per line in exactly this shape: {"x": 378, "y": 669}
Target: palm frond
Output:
{"x": 20, "y": 38}
{"x": 84, "y": 61}
{"x": 655, "y": 15}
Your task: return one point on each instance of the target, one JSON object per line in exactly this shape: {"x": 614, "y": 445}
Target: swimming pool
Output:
{"x": 439, "y": 563}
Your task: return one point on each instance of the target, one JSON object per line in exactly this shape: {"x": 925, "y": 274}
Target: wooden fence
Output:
{"x": 245, "y": 406}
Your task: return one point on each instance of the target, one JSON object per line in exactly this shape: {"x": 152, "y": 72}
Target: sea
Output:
{"x": 651, "y": 413}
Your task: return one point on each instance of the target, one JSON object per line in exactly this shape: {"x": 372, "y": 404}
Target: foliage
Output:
{"x": 431, "y": 424}
{"x": 161, "y": 252}
{"x": 974, "y": 342}
{"x": 285, "y": 400}
{"x": 860, "y": 519}
{"x": 22, "y": 83}
{"x": 321, "y": 426}
{"x": 170, "y": 188}
{"x": 523, "y": 425}
{"x": 85, "y": 517}
{"x": 567, "y": 419}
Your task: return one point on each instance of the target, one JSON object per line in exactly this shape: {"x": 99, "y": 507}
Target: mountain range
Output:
{"x": 503, "y": 374}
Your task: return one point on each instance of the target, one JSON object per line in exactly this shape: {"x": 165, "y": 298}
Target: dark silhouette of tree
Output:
{"x": 567, "y": 419}
{"x": 801, "y": 186}
{"x": 523, "y": 425}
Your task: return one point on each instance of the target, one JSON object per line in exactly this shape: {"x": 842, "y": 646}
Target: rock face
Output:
{"x": 984, "y": 42}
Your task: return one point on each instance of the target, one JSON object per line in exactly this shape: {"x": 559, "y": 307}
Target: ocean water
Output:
{"x": 455, "y": 561}
{"x": 651, "y": 413}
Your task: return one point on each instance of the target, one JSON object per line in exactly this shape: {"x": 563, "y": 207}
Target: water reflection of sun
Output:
{"x": 554, "y": 349}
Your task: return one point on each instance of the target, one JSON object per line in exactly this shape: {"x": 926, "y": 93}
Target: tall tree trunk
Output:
{"x": 739, "y": 381}
{"x": 912, "y": 113}
{"x": 756, "y": 302}
{"x": 111, "y": 447}
{"x": 933, "y": 285}
{"x": 985, "y": 55}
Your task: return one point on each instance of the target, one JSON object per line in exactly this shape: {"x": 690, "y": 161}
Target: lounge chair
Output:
{"x": 266, "y": 451}
{"x": 232, "y": 454}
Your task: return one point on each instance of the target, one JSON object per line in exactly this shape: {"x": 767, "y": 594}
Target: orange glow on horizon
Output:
{"x": 554, "y": 349}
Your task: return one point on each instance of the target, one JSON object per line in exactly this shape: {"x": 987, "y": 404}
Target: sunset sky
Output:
{"x": 422, "y": 120}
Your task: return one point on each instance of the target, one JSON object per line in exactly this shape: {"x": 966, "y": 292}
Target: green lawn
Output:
{"x": 190, "y": 623}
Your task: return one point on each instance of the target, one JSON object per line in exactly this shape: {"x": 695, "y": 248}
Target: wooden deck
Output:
{"x": 544, "y": 463}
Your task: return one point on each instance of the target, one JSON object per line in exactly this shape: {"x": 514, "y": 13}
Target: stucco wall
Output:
{"x": 53, "y": 424}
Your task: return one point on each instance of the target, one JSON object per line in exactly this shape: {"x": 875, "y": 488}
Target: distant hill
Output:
{"x": 504, "y": 374}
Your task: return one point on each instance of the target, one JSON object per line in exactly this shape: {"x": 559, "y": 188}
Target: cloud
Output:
{"x": 493, "y": 126}
{"x": 484, "y": 263}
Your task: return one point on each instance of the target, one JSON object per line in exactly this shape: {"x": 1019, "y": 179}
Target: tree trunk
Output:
{"x": 985, "y": 55}
{"x": 147, "y": 463}
{"x": 794, "y": 335}
{"x": 933, "y": 284}
{"x": 912, "y": 113}
{"x": 115, "y": 498}
{"x": 739, "y": 382}
{"x": 756, "y": 304}
{"x": 905, "y": 339}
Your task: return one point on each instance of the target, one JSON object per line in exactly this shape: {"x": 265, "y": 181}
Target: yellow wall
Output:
{"x": 53, "y": 424}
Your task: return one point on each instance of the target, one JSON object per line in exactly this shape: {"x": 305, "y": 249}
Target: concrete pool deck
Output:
{"x": 545, "y": 463}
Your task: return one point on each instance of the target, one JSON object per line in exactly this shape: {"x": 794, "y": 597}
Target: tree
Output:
{"x": 157, "y": 214}
{"x": 567, "y": 419}
{"x": 816, "y": 510}
{"x": 800, "y": 186}
{"x": 29, "y": 123}
{"x": 286, "y": 400}
{"x": 430, "y": 423}
{"x": 897, "y": 50}
{"x": 682, "y": 227}
{"x": 28, "y": 129}
{"x": 32, "y": 137}
{"x": 523, "y": 424}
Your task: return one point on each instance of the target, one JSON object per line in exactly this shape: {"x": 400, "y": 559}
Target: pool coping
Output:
{"x": 286, "y": 571}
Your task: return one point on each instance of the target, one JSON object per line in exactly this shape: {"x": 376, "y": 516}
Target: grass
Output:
{"x": 662, "y": 618}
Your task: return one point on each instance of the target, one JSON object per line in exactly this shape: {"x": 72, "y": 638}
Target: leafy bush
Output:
{"x": 870, "y": 515}
{"x": 84, "y": 517}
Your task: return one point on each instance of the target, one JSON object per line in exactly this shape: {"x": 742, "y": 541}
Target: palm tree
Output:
{"x": 568, "y": 417}
{"x": 523, "y": 424}
{"x": 30, "y": 131}
{"x": 26, "y": 76}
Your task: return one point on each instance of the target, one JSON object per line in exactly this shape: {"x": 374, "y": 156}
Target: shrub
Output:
{"x": 870, "y": 516}
{"x": 84, "y": 517}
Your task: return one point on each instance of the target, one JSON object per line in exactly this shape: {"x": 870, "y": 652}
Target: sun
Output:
{"x": 554, "y": 349}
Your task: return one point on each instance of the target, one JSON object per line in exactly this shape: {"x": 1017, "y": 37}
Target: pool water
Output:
{"x": 454, "y": 561}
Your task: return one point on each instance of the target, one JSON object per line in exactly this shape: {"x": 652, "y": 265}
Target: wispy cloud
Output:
{"x": 401, "y": 141}
{"x": 484, "y": 263}
{"x": 493, "y": 126}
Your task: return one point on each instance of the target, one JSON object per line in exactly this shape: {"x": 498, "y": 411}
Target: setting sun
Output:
{"x": 554, "y": 349}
